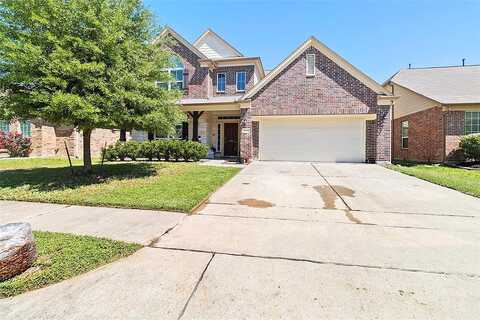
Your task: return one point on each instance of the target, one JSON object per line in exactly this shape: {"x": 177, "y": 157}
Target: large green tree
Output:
{"x": 84, "y": 63}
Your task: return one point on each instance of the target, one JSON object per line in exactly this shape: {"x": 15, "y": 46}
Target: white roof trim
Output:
{"x": 182, "y": 40}
{"x": 312, "y": 41}
{"x": 210, "y": 31}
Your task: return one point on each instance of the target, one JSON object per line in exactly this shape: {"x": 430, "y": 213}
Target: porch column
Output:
{"x": 195, "y": 116}
{"x": 245, "y": 135}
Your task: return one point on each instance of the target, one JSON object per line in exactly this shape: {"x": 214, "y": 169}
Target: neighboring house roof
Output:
{"x": 446, "y": 85}
{"x": 214, "y": 46}
{"x": 313, "y": 42}
{"x": 168, "y": 30}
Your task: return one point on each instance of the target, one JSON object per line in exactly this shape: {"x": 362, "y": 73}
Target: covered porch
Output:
{"x": 217, "y": 125}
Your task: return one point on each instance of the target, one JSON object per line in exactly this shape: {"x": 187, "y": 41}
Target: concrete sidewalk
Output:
{"x": 130, "y": 225}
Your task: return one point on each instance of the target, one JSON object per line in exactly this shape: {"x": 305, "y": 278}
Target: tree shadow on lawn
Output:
{"x": 55, "y": 179}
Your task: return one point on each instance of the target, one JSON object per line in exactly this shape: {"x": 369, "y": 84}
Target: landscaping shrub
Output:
{"x": 194, "y": 151}
{"x": 15, "y": 144}
{"x": 147, "y": 150}
{"x": 176, "y": 149}
{"x": 470, "y": 146}
{"x": 110, "y": 153}
{"x": 158, "y": 149}
{"x": 132, "y": 149}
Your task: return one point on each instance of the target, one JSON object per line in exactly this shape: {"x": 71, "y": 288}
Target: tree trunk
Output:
{"x": 123, "y": 134}
{"x": 87, "y": 156}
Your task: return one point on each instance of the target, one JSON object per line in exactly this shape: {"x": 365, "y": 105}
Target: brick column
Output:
{"x": 245, "y": 135}
{"x": 383, "y": 134}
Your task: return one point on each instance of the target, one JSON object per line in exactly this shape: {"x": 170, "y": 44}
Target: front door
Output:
{"x": 230, "y": 139}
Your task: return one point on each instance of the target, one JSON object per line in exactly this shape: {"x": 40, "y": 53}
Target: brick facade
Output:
{"x": 196, "y": 77}
{"x": 383, "y": 134}
{"x": 425, "y": 136}
{"x": 332, "y": 91}
{"x": 246, "y": 135}
{"x": 454, "y": 130}
{"x": 231, "y": 82}
{"x": 255, "y": 138}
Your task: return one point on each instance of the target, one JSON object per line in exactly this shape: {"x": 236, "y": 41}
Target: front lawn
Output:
{"x": 466, "y": 181}
{"x": 62, "y": 256}
{"x": 28, "y": 163}
{"x": 143, "y": 185}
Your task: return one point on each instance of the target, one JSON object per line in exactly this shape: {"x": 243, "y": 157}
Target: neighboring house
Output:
{"x": 314, "y": 106}
{"x": 435, "y": 108}
{"x": 50, "y": 141}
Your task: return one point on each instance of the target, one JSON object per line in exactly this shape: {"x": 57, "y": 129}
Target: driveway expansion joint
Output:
{"x": 196, "y": 287}
{"x": 332, "y": 263}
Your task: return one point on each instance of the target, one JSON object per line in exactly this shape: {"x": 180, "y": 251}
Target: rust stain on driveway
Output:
{"x": 255, "y": 203}
{"x": 329, "y": 194}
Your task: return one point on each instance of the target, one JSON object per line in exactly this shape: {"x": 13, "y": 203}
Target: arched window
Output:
{"x": 175, "y": 70}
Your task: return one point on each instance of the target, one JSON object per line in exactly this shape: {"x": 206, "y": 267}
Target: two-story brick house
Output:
{"x": 314, "y": 106}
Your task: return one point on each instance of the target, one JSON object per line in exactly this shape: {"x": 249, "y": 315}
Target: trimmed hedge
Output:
{"x": 470, "y": 146}
{"x": 159, "y": 149}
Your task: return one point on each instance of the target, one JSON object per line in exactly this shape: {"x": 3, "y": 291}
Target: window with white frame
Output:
{"x": 241, "y": 79}
{"x": 472, "y": 122}
{"x": 221, "y": 82}
{"x": 404, "y": 134}
{"x": 310, "y": 64}
{"x": 176, "y": 73}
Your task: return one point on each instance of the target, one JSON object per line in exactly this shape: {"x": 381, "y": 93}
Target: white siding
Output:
{"x": 215, "y": 48}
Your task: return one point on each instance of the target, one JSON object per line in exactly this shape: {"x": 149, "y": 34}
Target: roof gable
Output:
{"x": 169, "y": 31}
{"x": 313, "y": 42}
{"x": 446, "y": 85}
{"x": 214, "y": 47}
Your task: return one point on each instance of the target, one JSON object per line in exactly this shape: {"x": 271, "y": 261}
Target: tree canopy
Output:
{"x": 84, "y": 63}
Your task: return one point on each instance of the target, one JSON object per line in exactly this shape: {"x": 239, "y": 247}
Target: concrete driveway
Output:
{"x": 290, "y": 240}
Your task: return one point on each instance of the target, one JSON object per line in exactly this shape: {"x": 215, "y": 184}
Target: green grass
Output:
{"x": 466, "y": 181}
{"x": 27, "y": 163}
{"x": 62, "y": 256}
{"x": 143, "y": 185}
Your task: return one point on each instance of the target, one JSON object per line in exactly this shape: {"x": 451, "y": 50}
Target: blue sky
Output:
{"x": 378, "y": 37}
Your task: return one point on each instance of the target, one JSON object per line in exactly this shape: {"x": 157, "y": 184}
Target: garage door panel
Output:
{"x": 325, "y": 140}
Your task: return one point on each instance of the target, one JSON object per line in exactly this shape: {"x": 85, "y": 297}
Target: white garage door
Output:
{"x": 312, "y": 139}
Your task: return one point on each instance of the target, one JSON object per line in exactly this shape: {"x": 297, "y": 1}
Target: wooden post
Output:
{"x": 195, "y": 116}
{"x": 68, "y": 155}
{"x": 103, "y": 153}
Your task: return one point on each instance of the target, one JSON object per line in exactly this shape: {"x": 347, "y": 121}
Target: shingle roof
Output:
{"x": 447, "y": 85}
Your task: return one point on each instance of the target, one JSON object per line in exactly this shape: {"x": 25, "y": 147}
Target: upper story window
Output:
{"x": 404, "y": 134}
{"x": 472, "y": 122}
{"x": 176, "y": 72}
{"x": 4, "y": 126}
{"x": 241, "y": 79}
{"x": 310, "y": 65}
{"x": 221, "y": 82}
